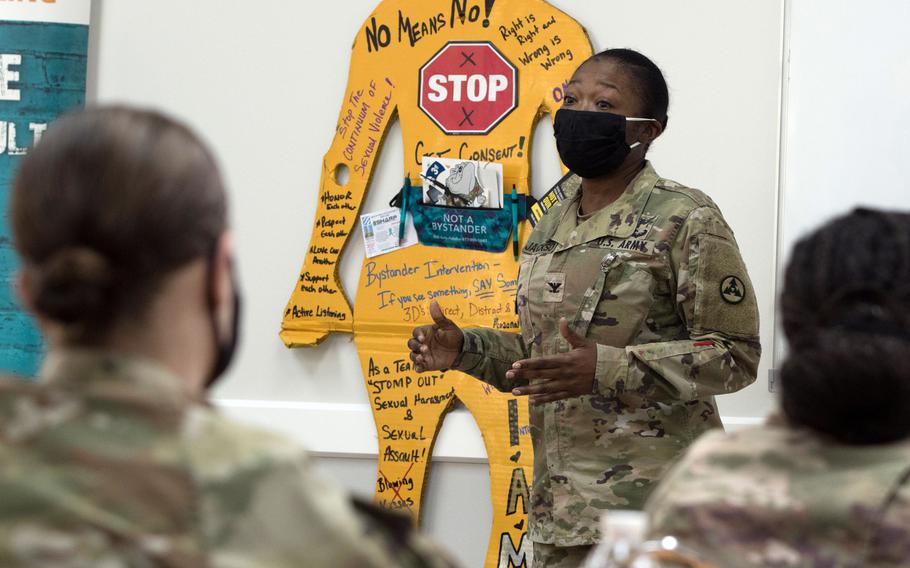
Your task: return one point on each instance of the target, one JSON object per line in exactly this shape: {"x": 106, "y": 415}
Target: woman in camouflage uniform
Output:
{"x": 635, "y": 310}
{"x": 825, "y": 482}
{"x": 113, "y": 457}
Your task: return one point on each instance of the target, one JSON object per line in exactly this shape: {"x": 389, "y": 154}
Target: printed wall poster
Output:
{"x": 43, "y": 56}
{"x": 468, "y": 79}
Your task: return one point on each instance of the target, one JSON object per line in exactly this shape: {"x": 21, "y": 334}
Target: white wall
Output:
{"x": 847, "y": 123}
{"x": 263, "y": 83}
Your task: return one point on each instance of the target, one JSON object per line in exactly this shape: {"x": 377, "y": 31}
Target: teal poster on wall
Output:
{"x": 43, "y": 56}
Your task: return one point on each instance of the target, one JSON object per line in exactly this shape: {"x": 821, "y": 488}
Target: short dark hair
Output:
{"x": 110, "y": 202}
{"x": 846, "y": 315}
{"x": 650, "y": 82}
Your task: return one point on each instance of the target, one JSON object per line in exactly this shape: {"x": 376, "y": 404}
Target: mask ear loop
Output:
{"x": 637, "y": 119}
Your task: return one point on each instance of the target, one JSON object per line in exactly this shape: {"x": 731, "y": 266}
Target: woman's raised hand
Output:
{"x": 436, "y": 346}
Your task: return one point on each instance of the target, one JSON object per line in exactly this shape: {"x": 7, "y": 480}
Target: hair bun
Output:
{"x": 74, "y": 285}
{"x": 850, "y": 384}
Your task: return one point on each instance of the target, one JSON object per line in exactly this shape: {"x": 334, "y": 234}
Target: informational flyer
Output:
{"x": 382, "y": 232}
{"x": 43, "y": 60}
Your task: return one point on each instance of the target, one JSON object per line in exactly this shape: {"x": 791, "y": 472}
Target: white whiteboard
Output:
{"x": 263, "y": 82}
{"x": 847, "y": 112}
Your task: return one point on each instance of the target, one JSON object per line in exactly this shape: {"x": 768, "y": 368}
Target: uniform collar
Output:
{"x": 133, "y": 377}
{"x": 618, "y": 219}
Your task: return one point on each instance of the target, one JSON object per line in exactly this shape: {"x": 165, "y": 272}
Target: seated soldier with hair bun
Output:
{"x": 113, "y": 456}
{"x": 827, "y": 482}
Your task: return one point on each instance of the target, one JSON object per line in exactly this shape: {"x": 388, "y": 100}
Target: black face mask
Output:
{"x": 224, "y": 347}
{"x": 592, "y": 144}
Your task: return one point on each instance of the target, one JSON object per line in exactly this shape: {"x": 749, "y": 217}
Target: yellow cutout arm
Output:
{"x": 318, "y": 304}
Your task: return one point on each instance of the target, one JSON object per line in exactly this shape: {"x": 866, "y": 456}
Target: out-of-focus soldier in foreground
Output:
{"x": 112, "y": 457}
{"x": 826, "y": 483}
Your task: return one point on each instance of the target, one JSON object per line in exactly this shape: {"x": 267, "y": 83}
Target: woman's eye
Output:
{"x": 568, "y": 100}
{"x": 604, "y": 105}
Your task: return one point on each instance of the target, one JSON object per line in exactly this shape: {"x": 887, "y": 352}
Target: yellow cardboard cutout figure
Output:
{"x": 467, "y": 79}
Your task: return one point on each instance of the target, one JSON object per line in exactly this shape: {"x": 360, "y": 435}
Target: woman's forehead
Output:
{"x": 606, "y": 73}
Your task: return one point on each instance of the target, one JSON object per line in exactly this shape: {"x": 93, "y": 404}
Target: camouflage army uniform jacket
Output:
{"x": 657, "y": 281}
{"x": 107, "y": 462}
{"x": 777, "y": 496}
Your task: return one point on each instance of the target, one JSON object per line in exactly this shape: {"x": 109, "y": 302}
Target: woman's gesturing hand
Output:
{"x": 560, "y": 376}
{"x": 434, "y": 347}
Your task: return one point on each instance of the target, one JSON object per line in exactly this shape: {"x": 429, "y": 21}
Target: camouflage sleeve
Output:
{"x": 761, "y": 495}
{"x": 487, "y": 354}
{"x": 263, "y": 505}
{"x": 699, "y": 489}
{"x": 665, "y": 515}
{"x": 716, "y": 302}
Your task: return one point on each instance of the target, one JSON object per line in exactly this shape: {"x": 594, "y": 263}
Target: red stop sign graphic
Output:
{"x": 468, "y": 87}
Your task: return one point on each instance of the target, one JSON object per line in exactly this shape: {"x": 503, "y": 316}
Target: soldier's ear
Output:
{"x": 23, "y": 291}
{"x": 651, "y": 130}
{"x": 222, "y": 278}
{"x": 23, "y": 287}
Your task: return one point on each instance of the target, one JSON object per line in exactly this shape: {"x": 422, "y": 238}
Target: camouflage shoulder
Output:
{"x": 216, "y": 443}
{"x": 690, "y": 210}
{"x": 686, "y": 202}
{"x": 741, "y": 450}
{"x": 754, "y": 437}
{"x": 685, "y": 194}
{"x": 706, "y": 445}
{"x": 713, "y": 456}
{"x": 27, "y": 399}
{"x": 262, "y": 502}
{"x": 692, "y": 220}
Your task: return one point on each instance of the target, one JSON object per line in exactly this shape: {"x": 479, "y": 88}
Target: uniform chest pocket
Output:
{"x": 617, "y": 304}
